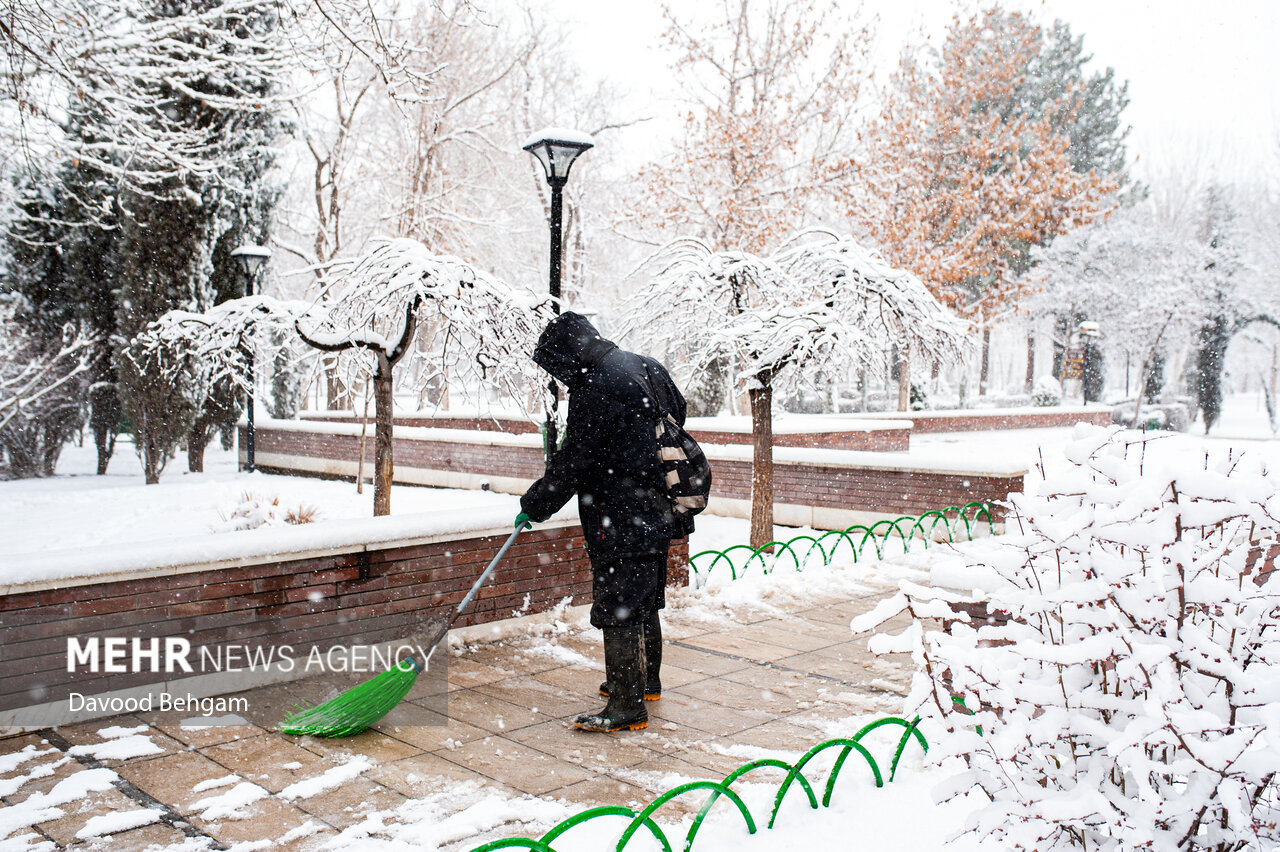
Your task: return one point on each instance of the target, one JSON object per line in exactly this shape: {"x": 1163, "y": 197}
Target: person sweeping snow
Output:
{"x": 610, "y": 459}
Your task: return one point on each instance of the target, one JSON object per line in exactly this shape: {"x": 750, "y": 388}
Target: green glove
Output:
{"x": 523, "y": 521}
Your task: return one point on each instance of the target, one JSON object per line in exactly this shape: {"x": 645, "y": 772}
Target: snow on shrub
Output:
{"x": 255, "y": 511}
{"x": 1047, "y": 392}
{"x": 1131, "y": 700}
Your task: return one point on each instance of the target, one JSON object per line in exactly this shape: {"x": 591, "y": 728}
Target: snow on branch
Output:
{"x": 475, "y": 328}
{"x": 824, "y": 303}
{"x": 37, "y": 379}
{"x": 215, "y": 346}
{"x": 1130, "y": 699}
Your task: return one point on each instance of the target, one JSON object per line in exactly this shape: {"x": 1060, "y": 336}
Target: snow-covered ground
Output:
{"x": 77, "y": 508}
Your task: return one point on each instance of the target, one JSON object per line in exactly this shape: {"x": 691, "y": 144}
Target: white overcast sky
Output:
{"x": 1204, "y": 75}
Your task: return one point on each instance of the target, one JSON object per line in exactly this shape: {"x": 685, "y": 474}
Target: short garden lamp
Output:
{"x": 556, "y": 148}
{"x": 250, "y": 258}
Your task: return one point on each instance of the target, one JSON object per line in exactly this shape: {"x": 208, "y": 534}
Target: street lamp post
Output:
{"x": 251, "y": 258}
{"x": 556, "y": 148}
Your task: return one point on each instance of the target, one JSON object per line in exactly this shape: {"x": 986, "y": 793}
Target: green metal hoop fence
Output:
{"x": 644, "y": 818}
{"x": 906, "y": 528}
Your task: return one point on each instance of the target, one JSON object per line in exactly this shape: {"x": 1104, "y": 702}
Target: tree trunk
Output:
{"x": 383, "y": 400}
{"x": 195, "y": 454}
{"x": 904, "y": 378}
{"x": 761, "y": 465}
{"x": 1031, "y": 362}
{"x": 985, "y": 370}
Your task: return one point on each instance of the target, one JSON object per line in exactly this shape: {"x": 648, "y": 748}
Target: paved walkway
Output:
{"x": 777, "y": 679}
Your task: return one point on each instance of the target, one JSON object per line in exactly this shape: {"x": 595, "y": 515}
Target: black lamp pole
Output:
{"x": 251, "y": 259}
{"x": 556, "y": 149}
{"x": 557, "y": 245}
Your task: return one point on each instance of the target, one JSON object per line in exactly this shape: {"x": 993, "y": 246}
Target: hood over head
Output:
{"x": 569, "y": 347}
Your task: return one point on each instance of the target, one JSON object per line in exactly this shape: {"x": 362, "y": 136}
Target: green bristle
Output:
{"x": 356, "y": 709}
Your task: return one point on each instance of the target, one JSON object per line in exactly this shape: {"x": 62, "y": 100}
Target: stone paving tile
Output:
{"x": 433, "y": 737}
{"x": 738, "y": 645}
{"x": 375, "y": 745}
{"x": 798, "y": 635}
{"x": 57, "y": 765}
{"x": 200, "y": 736}
{"x": 603, "y": 788}
{"x": 593, "y": 752}
{"x": 495, "y": 715}
{"x": 350, "y": 802}
{"x": 685, "y": 711}
{"x": 63, "y": 830}
{"x": 526, "y": 769}
{"x": 528, "y": 691}
{"x": 156, "y": 835}
{"x": 766, "y": 694}
{"x": 172, "y": 778}
{"x": 700, "y": 661}
{"x": 265, "y": 818}
{"x": 262, "y": 760}
{"x": 465, "y": 673}
{"x": 423, "y": 774}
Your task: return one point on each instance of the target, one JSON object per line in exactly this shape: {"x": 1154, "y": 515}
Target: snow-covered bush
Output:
{"x": 1047, "y": 392}
{"x": 1132, "y": 698}
{"x": 255, "y": 511}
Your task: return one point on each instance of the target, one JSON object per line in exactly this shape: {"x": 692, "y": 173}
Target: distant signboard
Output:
{"x": 1073, "y": 363}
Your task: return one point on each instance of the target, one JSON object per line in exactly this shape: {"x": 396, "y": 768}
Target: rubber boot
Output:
{"x": 652, "y": 659}
{"x": 624, "y": 665}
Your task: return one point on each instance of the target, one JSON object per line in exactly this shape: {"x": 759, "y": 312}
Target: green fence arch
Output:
{"x": 958, "y": 522}
{"x": 717, "y": 789}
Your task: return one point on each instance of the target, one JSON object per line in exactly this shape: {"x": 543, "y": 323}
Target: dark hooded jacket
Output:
{"x": 609, "y": 455}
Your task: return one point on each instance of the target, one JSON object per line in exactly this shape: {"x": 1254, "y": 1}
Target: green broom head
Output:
{"x": 357, "y": 708}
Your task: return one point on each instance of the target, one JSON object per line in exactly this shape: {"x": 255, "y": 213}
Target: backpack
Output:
{"x": 685, "y": 470}
{"x": 686, "y": 473}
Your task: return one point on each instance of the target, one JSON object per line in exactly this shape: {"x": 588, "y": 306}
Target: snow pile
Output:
{"x": 118, "y": 821}
{"x": 1133, "y": 698}
{"x": 330, "y": 779}
{"x": 121, "y": 744}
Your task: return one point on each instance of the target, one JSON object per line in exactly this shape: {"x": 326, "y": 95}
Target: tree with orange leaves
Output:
{"x": 772, "y": 89}
{"x": 961, "y": 174}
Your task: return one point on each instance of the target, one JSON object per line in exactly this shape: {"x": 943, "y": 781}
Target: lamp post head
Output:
{"x": 556, "y": 148}
{"x": 1090, "y": 329}
{"x": 251, "y": 258}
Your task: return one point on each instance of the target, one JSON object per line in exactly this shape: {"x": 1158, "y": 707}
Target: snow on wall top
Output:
{"x": 27, "y": 572}
{"x": 795, "y": 424}
{"x": 911, "y": 461}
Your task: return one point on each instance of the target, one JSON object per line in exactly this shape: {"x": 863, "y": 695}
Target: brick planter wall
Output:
{"x": 893, "y": 436}
{"x": 824, "y": 488}
{"x": 353, "y": 596}
{"x": 978, "y": 420}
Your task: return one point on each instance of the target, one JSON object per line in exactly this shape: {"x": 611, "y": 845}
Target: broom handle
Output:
{"x": 502, "y": 551}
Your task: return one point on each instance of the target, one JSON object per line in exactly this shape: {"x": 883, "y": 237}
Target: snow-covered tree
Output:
{"x": 1130, "y": 700}
{"x": 1140, "y": 276}
{"x": 205, "y": 357}
{"x": 823, "y": 304}
{"x": 42, "y": 383}
{"x": 969, "y": 163}
{"x": 484, "y": 331}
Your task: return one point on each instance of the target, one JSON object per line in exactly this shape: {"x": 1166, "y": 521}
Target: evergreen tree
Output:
{"x": 175, "y": 245}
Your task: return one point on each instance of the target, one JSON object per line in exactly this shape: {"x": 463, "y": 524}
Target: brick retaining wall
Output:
{"x": 824, "y": 488}
{"x": 351, "y": 597}
{"x": 980, "y": 420}
{"x": 891, "y": 436}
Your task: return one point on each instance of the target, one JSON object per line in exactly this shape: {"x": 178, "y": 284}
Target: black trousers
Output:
{"x": 626, "y": 589}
